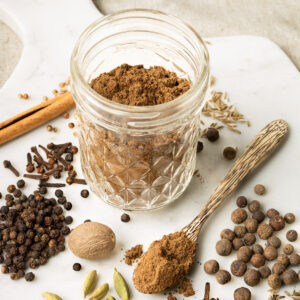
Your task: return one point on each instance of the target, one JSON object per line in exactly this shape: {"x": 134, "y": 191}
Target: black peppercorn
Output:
{"x": 84, "y": 193}
{"x": 77, "y": 267}
{"x": 62, "y": 200}
{"x": 229, "y": 153}
{"x": 59, "y": 193}
{"x": 11, "y": 188}
{"x": 125, "y": 218}
{"x": 29, "y": 276}
{"x": 20, "y": 183}
{"x": 68, "y": 205}
{"x": 61, "y": 247}
{"x": 69, "y": 157}
{"x": 65, "y": 230}
{"x": 9, "y": 197}
{"x": 43, "y": 190}
{"x": 199, "y": 146}
{"x": 212, "y": 134}
{"x": 58, "y": 210}
{"x": 68, "y": 220}
{"x": 17, "y": 193}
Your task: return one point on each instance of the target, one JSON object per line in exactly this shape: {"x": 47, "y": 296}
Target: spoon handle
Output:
{"x": 254, "y": 154}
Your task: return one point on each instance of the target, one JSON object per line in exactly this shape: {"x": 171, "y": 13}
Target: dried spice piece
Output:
{"x": 252, "y": 277}
{"x": 241, "y": 201}
{"x": 238, "y": 216}
{"x": 278, "y": 268}
{"x": 125, "y": 218}
{"x": 224, "y": 247}
{"x": 211, "y": 267}
{"x": 249, "y": 239}
{"x": 284, "y": 259}
{"x": 257, "y": 249}
{"x": 242, "y": 294}
{"x": 244, "y": 254}
{"x": 274, "y": 281}
{"x": 238, "y": 268}
{"x": 165, "y": 263}
{"x": 199, "y": 147}
{"x": 274, "y": 241}
{"x": 223, "y": 277}
{"x": 84, "y": 193}
{"x": 240, "y": 231}
{"x": 120, "y": 285}
{"x": 294, "y": 259}
{"x": 264, "y": 231}
{"x": 272, "y": 212}
{"x": 259, "y": 189}
{"x": 212, "y": 134}
{"x": 8, "y": 165}
{"x": 133, "y": 254}
{"x": 289, "y": 277}
{"x": 277, "y": 222}
{"x": 254, "y": 206}
{"x": 289, "y": 218}
{"x": 292, "y": 235}
{"x": 100, "y": 292}
{"x": 170, "y": 297}
{"x": 237, "y": 243}
{"x": 264, "y": 272}
{"x": 77, "y": 267}
{"x": 89, "y": 283}
{"x": 230, "y": 153}
{"x": 227, "y": 234}
{"x": 51, "y": 296}
{"x": 288, "y": 249}
{"x": 259, "y": 216}
{"x": 270, "y": 253}
{"x": 251, "y": 225}
{"x": 257, "y": 260}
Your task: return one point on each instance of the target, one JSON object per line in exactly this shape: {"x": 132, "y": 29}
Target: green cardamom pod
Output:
{"x": 89, "y": 282}
{"x": 121, "y": 285}
{"x": 109, "y": 297}
{"x": 50, "y": 296}
{"x": 100, "y": 292}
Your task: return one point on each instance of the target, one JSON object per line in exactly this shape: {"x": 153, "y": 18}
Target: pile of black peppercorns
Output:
{"x": 32, "y": 229}
{"x": 243, "y": 240}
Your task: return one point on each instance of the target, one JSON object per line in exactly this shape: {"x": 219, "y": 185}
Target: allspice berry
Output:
{"x": 257, "y": 260}
{"x": 242, "y": 294}
{"x": 257, "y": 249}
{"x": 249, "y": 239}
{"x": 272, "y": 212}
{"x": 274, "y": 281}
{"x": 241, "y": 201}
{"x": 224, "y": 247}
{"x": 294, "y": 259}
{"x": 259, "y": 189}
{"x": 288, "y": 249}
{"x": 229, "y": 153}
{"x": 289, "y": 218}
{"x": 278, "y": 268}
{"x": 251, "y": 225}
{"x": 211, "y": 266}
{"x": 284, "y": 259}
{"x": 244, "y": 254}
{"x": 223, "y": 276}
{"x": 270, "y": 253}
{"x": 212, "y": 134}
{"x": 277, "y": 222}
{"x": 238, "y": 268}
{"x": 227, "y": 234}
{"x": 254, "y": 206}
{"x": 264, "y": 231}
{"x": 238, "y": 216}
{"x": 264, "y": 272}
{"x": 274, "y": 241}
{"x": 292, "y": 235}
{"x": 252, "y": 277}
{"x": 237, "y": 243}
{"x": 259, "y": 216}
{"x": 289, "y": 277}
{"x": 240, "y": 231}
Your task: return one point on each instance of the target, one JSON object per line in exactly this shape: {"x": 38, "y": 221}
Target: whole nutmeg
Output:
{"x": 240, "y": 231}
{"x": 227, "y": 234}
{"x": 257, "y": 260}
{"x": 242, "y": 294}
{"x": 252, "y": 277}
{"x": 270, "y": 253}
{"x": 257, "y": 249}
{"x": 254, "y": 206}
{"x": 289, "y": 218}
{"x": 274, "y": 241}
{"x": 294, "y": 259}
{"x": 91, "y": 240}
{"x": 211, "y": 266}
{"x": 223, "y": 276}
{"x": 292, "y": 235}
{"x": 259, "y": 216}
{"x": 223, "y": 247}
{"x": 264, "y": 272}
{"x": 264, "y": 231}
{"x": 289, "y": 277}
{"x": 278, "y": 268}
{"x": 277, "y": 222}
{"x": 272, "y": 212}
{"x": 259, "y": 189}
{"x": 237, "y": 244}
{"x": 241, "y": 201}
{"x": 238, "y": 268}
{"x": 284, "y": 259}
{"x": 238, "y": 216}
{"x": 251, "y": 225}
{"x": 249, "y": 239}
{"x": 244, "y": 254}
{"x": 288, "y": 249}
{"x": 274, "y": 281}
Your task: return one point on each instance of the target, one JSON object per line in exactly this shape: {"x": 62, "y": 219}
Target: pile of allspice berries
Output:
{"x": 251, "y": 256}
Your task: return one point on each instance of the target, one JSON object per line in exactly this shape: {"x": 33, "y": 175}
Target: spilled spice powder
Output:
{"x": 133, "y": 254}
{"x": 138, "y": 86}
{"x": 165, "y": 263}
{"x": 171, "y": 297}
{"x": 186, "y": 288}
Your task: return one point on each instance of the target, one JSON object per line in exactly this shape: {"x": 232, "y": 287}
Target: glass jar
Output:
{"x": 139, "y": 157}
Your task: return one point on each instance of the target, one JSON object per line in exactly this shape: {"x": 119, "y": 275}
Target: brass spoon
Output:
{"x": 254, "y": 154}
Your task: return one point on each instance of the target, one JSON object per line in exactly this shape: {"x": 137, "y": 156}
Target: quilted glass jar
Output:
{"x": 138, "y": 157}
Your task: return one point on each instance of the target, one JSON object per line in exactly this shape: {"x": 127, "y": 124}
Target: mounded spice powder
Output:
{"x": 186, "y": 288}
{"x": 165, "y": 263}
{"x": 132, "y": 254}
{"x": 138, "y": 86}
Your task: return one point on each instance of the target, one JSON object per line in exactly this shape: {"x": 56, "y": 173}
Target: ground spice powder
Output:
{"x": 132, "y": 254}
{"x": 139, "y": 86}
{"x": 186, "y": 288}
{"x": 165, "y": 263}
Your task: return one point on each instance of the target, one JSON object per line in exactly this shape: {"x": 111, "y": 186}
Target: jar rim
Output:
{"x": 99, "y": 100}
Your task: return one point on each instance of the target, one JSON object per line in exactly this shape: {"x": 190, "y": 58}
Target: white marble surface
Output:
{"x": 259, "y": 79}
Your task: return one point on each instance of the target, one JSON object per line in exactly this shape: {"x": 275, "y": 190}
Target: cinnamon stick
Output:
{"x": 34, "y": 117}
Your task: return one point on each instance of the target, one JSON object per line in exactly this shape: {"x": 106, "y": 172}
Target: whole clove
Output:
{"x": 8, "y": 165}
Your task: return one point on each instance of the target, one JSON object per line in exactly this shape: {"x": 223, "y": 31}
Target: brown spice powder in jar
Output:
{"x": 124, "y": 165}
{"x": 165, "y": 263}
